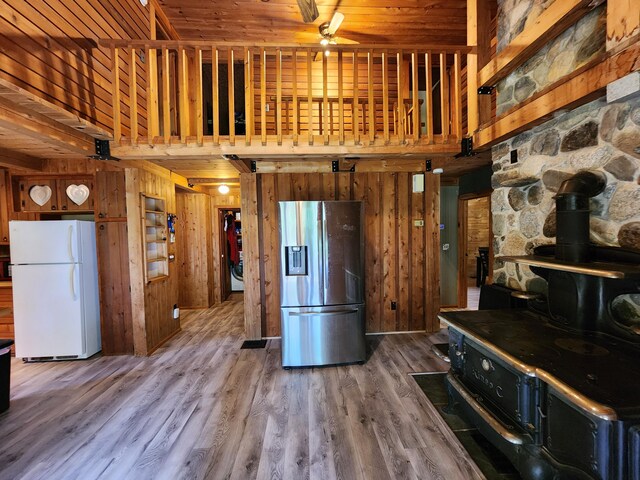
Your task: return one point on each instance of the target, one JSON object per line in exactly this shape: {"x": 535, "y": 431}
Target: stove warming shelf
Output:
{"x": 596, "y": 269}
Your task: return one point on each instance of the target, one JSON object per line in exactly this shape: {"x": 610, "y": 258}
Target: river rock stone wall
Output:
{"x": 597, "y": 135}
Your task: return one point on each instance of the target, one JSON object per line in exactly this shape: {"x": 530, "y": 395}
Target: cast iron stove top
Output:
{"x": 598, "y": 366}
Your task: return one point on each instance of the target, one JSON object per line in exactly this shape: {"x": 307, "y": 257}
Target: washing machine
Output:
{"x": 237, "y": 285}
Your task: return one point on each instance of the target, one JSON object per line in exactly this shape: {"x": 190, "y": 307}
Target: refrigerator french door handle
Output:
{"x": 70, "y": 244}
{"x": 73, "y": 282}
{"x": 318, "y": 314}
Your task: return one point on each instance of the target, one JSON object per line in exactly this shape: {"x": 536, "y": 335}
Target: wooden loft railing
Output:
{"x": 186, "y": 93}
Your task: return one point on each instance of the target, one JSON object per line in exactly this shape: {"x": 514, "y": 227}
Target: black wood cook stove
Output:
{"x": 556, "y": 386}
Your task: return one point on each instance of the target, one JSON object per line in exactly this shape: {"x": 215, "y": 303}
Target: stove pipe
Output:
{"x": 572, "y": 215}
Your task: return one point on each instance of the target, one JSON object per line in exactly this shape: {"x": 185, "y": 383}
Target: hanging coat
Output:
{"x": 232, "y": 240}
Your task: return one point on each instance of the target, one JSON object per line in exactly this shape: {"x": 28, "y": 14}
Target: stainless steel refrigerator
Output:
{"x": 322, "y": 283}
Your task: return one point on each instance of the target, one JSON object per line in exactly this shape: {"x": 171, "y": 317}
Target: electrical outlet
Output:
{"x": 514, "y": 156}
{"x": 393, "y": 305}
{"x": 418, "y": 223}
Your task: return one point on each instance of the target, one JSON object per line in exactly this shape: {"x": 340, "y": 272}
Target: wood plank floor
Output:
{"x": 200, "y": 407}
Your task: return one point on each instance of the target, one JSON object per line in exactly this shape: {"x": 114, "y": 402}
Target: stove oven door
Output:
{"x": 513, "y": 395}
{"x": 577, "y": 438}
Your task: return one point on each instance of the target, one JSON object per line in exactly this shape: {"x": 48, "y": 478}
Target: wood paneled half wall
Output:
{"x": 401, "y": 254}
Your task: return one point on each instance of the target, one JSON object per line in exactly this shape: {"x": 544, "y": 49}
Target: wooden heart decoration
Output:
{"x": 40, "y": 194}
{"x": 78, "y": 193}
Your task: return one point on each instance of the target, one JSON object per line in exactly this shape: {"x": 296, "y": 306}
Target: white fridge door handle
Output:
{"x": 70, "y": 244}
{"x": 73, "y": 282}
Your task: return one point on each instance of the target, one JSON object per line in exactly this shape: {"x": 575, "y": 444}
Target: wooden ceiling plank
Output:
{"x": 12, "y": 159}
{"x": 40, "y": 127}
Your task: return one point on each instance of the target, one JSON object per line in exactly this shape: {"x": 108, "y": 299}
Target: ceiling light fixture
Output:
{"x": 223, "y": 189}
{"x": 144, "y": 2}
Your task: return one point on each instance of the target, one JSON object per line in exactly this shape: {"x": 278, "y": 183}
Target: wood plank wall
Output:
{"x": 48, "y": 48}
{"x": 194, "y": 250}
{"x": 401, "y": 260}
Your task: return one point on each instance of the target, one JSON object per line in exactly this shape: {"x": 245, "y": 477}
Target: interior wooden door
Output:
{"x": 225, "y": 273}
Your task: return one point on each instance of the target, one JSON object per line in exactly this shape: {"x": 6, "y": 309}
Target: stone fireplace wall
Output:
{"x": 597, "y": 135}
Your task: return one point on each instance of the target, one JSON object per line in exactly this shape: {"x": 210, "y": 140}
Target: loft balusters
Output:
{"x": 247, "y": 97}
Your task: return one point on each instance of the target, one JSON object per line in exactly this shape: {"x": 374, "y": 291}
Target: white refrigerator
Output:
{"x": 55, "y": 289}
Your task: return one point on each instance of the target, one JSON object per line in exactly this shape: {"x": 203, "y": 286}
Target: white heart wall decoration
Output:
{"x": 78, "y": 193}
{"x": 40, "y": 194}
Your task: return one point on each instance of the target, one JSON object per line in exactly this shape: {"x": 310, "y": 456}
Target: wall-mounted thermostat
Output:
{"x": 418, "y": 182}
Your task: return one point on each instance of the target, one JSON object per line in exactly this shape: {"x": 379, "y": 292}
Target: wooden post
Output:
{"x": 325, "y": 101}
{"x": 115, "y": 70}
{"x": 340, "y": 100}
{"x": 198, "y": 95}
{"x": 414, "y": 96}
{"x": 372, "y": 105}
{"x": 248, "y": 96}
{"x": 133, "y": 95}
{"x": 153, "y": 122}
{"x": 279, "y": 95}
{"x": 294, "y": 95}
{"x": 183, "y": 94}
{"x": 428, "y": 67}
{"x": 215, "y": 96}
{"x": 444, "y": 97}
{"x": 251, "y": 251}
{"x": 401, "y": 114}
{"x": 231, "y": 96}
{"x": 385, "y": 97}
{"x": 309, "y": 98}
{"x": 457, "y": 95}
{"x": 166, "y": 98}
{"x": 356, "y": 103}
{"x": 263, "y": 96}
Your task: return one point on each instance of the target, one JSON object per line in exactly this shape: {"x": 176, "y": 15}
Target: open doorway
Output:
{"x": 475, "y": 247}
{"x": 231, "y": 271}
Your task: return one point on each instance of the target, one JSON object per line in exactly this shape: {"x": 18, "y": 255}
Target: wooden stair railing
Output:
{"x": 177, "y": 92}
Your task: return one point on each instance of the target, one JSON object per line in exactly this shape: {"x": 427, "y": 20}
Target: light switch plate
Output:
{"x": 418, "y": 182}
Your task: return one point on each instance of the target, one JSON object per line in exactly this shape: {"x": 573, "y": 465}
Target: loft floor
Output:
{"x": 201, "y": 407}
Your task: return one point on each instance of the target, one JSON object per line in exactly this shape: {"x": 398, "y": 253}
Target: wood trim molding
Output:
{"x": 559, "y": 16}
{"x": 585, "y": 84}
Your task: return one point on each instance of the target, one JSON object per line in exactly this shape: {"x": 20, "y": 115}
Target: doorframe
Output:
{"x": 463, "y": 227}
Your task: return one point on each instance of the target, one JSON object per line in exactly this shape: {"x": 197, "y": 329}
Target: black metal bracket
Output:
{"x": 466, "y": 148}
{"x": 428, "y": 166}
{"x": 335, "y": 167}
{"x": 103, "y": 150}
{"x": 485, "y": 90}
{"x": 253, "y": 166}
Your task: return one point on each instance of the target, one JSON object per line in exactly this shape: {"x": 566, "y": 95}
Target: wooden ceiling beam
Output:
{"x": 18, "y": 160}
{"x": 242, "y": 166}
{"x": 209, "y": 150}
{"x": 214, "y": 181}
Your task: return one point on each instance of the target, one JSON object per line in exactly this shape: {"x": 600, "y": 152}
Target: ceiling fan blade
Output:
{"x": 309, "y": 10}
{"x": 336, "y": 21}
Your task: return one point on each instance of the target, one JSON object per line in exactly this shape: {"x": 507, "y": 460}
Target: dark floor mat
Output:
{"x": 493, "y": 464}
{"x": 254, "y": 344}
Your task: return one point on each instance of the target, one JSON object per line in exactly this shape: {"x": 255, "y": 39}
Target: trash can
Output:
{"x": 5, "y": 373}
